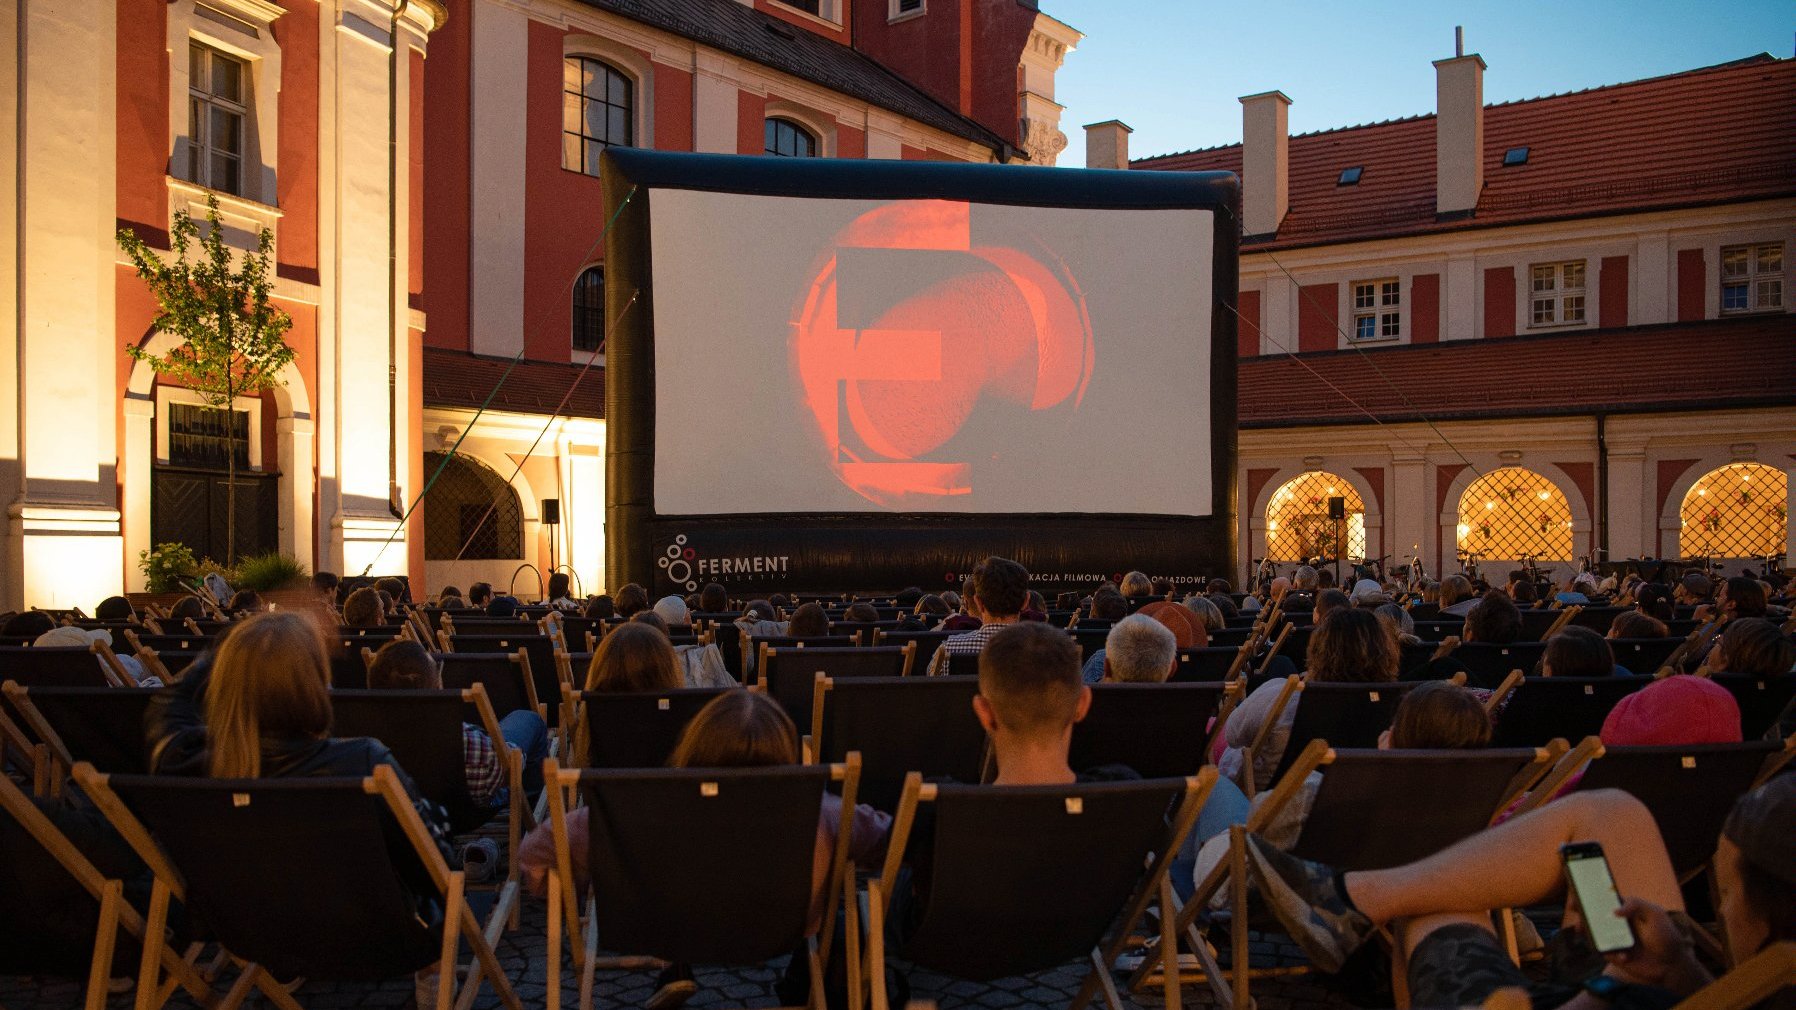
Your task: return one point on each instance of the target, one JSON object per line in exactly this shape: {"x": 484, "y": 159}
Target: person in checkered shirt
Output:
{"x": 1000, "y": 589}
{"x": 405, "y": 665}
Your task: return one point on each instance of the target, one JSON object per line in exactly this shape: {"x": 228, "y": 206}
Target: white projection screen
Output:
{"x": 847, "y": 374}
{"x": 928, "y": 356}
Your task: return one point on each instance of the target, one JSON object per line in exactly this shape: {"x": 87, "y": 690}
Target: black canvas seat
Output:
{"x": 1206, "y": 664}
{"x": 538, "y": 647}
{"x": 100, "y": 725}
{"x": 1014, "y": 880}
{"x": 1569, "y": 708}
{"x": 170, "y": 643}
{"x": 1761, "y": 699}
{"x": 35, "y": 666}
{"x": 1643, "y": 656}
{"x": 927, "y": 641}
{"x": 1597, "y": 617}
{"x": 790, "y": 675}
{"x": 1488, "y": 663}
{"x": 899, "y": 725}
{"x": 1230, "y": 636}
{"x": 505, "y": 676}
{"x": 961, "y": 664}
{"x": 1157, "y": 730}
{"x": 329, "y": 878}
{"x": 637, "y": 729}
{"x": 1345, "y": 715}
{"x": 1089, "y": 640}
{"x": 423, "y": 729}
{"x": 755, "y": 645}
{"x": 1437, "y": 628}
{"x": 657, "y": 888}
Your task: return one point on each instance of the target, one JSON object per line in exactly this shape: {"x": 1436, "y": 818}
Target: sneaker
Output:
{"x": 480, "y": 860}
{"x": 1133, "y": 958}
{"x": 674, "y": 987}
{"x": 1303, "y": 896}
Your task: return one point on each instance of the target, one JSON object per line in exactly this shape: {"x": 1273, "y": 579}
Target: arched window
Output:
{"x": 1738, "y": 511}
{"x": 589, "y": 309}
{"x": 1298, "y": 526}
{"x": 789, "y": 140}
{"x": 598, "y": 110}
{"x": 1514, "y": 512}
{"x": 456, "y": 513}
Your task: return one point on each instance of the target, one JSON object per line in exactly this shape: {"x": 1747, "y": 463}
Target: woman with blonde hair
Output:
{"x": 1136, "y": 585}
{"x": 634, "y": 656}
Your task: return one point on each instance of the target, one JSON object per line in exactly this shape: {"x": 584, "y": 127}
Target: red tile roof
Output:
{"x": 1712, "y": 135}
{"x": 1679, "y": 366}
{"x": 460, "y": 379}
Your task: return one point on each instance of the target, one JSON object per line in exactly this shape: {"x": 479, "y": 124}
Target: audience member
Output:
{"x": 1654, "y": 599}
{"x": 1326, "y": 579}
{"x": 713, "y": 599}
{"x": 70, "y": 637}
{"x": 1577, "y": 651}
{"x": 1693, "y": 590}
{"x": 1109, "y": 605}
{"x": 1456, "y": 595}
{"x": 1136, "y": 585}
{"x": 1399, "y": 622}
{"x": 1369, "y": 594}
{"x": 631, "y": 600}
{"x": 1493, "y": 619}
{"x": 503, "y": 606}
{"x": 115, "y": 608}
{"x": 1001, "y": 588}
{"x": 601, "y": 608}
{"x": 861, "y": 613}
{"x": 188, "y": 607}
{"x": 1673, "y": 712}
{"x": 1754, "y": 646}
{"x": 1328, "y": 600}
{"x": 245, "y": 601}
{"x": 1208, "y": 613}
{"x": 561, "y": 592}
{"x": 448, "y": 592}
{"x": 810, "y": 620}
{"x": 405, "y": 665}
{"x": 1138, "y": 650}
{"x": 1635, "y": 624}
{"x": 634, "y": 657}
{"x": 701, "y": 663}
{"x": 1035, "y": 608}
{"x": 362, "y": 609}
{"x": 325, "y": 585}
{"x": 480, "y": 594}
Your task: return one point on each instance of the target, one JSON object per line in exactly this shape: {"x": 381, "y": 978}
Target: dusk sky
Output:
{"x": 1173, "y": 69}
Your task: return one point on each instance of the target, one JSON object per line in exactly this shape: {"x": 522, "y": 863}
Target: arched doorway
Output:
{"x": 471, "y": 513}
{"x": 1299, "y": 525}
{"x": 1741, "y": 510}
{"x": 1514, "y": 514}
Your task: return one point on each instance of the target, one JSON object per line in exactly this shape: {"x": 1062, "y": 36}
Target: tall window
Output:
{"x": 789, "y": 140}
{"x": 589, "y": 309}
{"x": 598, "y": 110}
{"x": 217, "y": 105}
{"x": 1752, "y": 277}
{"x": 1556, "y": 295}
{"x": 1377, "y": 309}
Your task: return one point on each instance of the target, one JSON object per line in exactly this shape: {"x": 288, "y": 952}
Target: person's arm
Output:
{"x": 174, "y": 724}
{"x": 1662, "y": 956}
{"x": 1244, "y": 722}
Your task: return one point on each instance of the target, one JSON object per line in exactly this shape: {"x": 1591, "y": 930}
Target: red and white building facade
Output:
{"x": 465, "y": 129}
{"x": 1550, "y": 327}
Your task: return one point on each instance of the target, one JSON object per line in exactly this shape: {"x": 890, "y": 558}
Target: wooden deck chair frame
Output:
{"x": 459, "y": 922}
{"x": 521, "y": 660}
{"x": 31, "y": 755}
{"x": 1154, "y": 884}
{"x": 61, "y": 764}
{"x": 115, "y": 912}
{"x": 578, "y": 922}
{"x": 1231, "y": 986}
{"x": 1752, "y": 981}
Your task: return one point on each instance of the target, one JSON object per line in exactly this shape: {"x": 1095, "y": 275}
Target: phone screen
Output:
{"x": 1597, "y": 897}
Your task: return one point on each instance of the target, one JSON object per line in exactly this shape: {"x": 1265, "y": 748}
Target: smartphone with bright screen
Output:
{"x": 1588, "y": 872}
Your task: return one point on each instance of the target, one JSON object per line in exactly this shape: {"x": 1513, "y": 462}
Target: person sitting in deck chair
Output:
{"x": 701, "y": 664}
{"x": 1000, "y": 589}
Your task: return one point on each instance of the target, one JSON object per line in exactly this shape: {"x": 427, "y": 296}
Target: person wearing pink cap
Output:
{"x": 1674, "y": 712}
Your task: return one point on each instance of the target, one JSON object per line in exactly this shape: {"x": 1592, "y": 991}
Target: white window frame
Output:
{"x": 1559, "y": 302}
{"x": 829, "y": 12}
{"x": 631, "y": 113}
{"x": 895, "y": 10}
{"x": 1759, "y": 278}
{"x": 251, "y": 405}
{"x": 243, "y": 29}
{"x": 1382, "y": 304}
{"x": 202, "y": 102}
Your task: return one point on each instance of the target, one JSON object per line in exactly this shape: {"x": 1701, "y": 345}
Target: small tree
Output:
{"x": 231, "y": 337}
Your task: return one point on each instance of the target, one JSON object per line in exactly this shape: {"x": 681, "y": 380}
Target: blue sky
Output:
{"x": 1173, "y": 69}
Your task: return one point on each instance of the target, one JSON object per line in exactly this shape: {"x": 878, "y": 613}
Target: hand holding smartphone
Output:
{"x": 1598, "y": 901}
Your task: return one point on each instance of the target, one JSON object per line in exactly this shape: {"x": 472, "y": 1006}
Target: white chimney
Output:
{"x": 1458, "y": 134}
{"x": 1107, "y": 144}
{"x": 1265, "y": 162}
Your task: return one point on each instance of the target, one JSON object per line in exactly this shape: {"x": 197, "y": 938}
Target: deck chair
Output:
{"x": 635, "y": 729}
{"x": 1437, "y": 628}
{"x": 1089, "y": 640}
{"x": 1643, "y": 655}
{"x": 756, "y": 646}
{"x": 540, "y": 650}
{"x": 315, "y": 877}
{"x": 1158, "y": 730}
{"x": 657, "y": 888}
{"x": 927, "y": 641}
{"x": 1373, "y": 810}
{"x": 100, "y": 725}
{"x": 33, "y": 666}
{"x": 1021, "y": 879}
{"x": 43, "y": 874}
{"x": 1750, "y": 983}
{"x": 1761, "y": 700}
{"x": 1209, "y": 664}
{"x": 1487, "y": 664}
{"x": 962, "y": 664}
{"x": 899, "y": 725}
{"x": 506, "y": 676}
{"x": 1346, "y": 715}
{"x": 790, "y": 675}
{"x": 1572, "y": 708}
{"x": 1689, "y": 790}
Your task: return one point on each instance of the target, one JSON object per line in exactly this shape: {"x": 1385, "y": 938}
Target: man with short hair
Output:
{"x": 1140, "y": 650}
{"x": 1030, "y": 695}
{"x": 1000, "y": 589}
{"x": 1693, "y": 590}
{"x": 480, "y": 594}
{"x": 325, "y": 585}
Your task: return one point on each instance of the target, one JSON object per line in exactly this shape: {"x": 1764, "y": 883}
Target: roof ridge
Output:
{"x": 1756, "y": 59}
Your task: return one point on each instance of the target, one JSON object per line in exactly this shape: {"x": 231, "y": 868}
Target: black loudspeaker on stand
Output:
{"x": 552, "y": 511}
{"x": 1337, "y": 508}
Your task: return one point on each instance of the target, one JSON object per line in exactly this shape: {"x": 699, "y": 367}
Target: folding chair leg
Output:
{"x": 851, "y": 926}
{"x": 1399, "y": 969}
{"x": 1243, "y": 973}
{"x": 155, "y": 929}
{"x": 451, "y": 941}
{"x": 483, "y": 953}
{"x": 818, "y": 998}
{"x": 1169, "y": 947}
{"x": 275, "y": 992}
{"x": 589, "y": 949}
{"x": 553, "y": 944}
{"x": 876, "y": 944}
{"x": 1100, "y": 973}
{"x": 112, "y": 895}
{"x": 240, "y": 989}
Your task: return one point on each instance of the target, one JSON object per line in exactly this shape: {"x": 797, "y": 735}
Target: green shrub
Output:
{"x": 269, "y": 571}
{"x": 166, "y": 565}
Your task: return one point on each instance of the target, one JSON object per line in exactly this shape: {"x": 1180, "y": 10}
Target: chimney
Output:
{"x": 1265, "y": 162}
{"x": 1107, "y": 144}
{"x": 1458, "y": 135}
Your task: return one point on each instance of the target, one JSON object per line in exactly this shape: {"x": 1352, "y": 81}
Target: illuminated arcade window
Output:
{"x": 1738, "y": 511}
{"x": 455, "y": 513}
{"x": 789, "y": 140}
{"x": 598, "y": 110}
{"x": 1514, "y": 511}
{"x": 1297, "y": 524}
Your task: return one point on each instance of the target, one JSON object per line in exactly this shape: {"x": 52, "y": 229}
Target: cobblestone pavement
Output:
{"x": 525, "y": 960}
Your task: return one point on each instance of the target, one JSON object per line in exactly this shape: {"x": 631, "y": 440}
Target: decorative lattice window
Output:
{"x": 1515, "y": 513}
{"x": 1738, "y": 511}
{"x": 456, "y": 513}
{"x": 1298, "y": 526}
